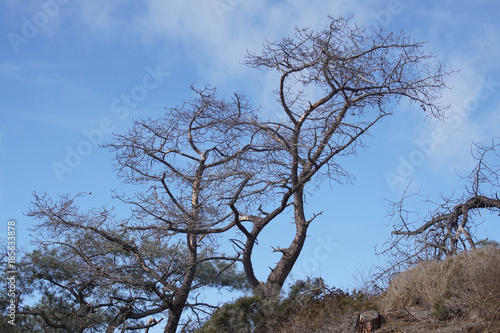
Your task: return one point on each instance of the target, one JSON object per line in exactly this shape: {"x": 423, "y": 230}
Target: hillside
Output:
{"x": 459, "y": 294}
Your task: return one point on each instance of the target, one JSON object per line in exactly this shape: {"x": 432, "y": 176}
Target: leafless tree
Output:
{"x": 450, "y": 228}
{"x": 334, "y": 85}
{"x": 213, "y": 169}
{"x": 193, "y": 164}
{"x": 134, "y": 268}
{"x": 94, "y": 273}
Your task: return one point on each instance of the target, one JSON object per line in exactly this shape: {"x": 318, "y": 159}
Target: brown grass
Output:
{"x": 460, "y": 294}
{"x": 467, "y": 284}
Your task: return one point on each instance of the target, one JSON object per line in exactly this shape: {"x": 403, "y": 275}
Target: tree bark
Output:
{"x": 174, "y": 318}
{"x": 368, "y": 321}
{"x": 283, "y": 268}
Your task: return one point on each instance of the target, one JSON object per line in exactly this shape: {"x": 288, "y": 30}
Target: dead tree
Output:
{"x": 93, "y": 272}
{"x": 189, "y": 163}
{"x": 213, "y": 167}
{"x": 449, "y": 228}
{"x": 334, "y": 85}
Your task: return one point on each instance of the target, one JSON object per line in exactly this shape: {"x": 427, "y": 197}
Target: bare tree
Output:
{"x": 92, "y": 273}
{"x": 191, "y": 162}
{"x": 212, "y": 169}
{"x": 334, "y": 85}
{"x": 450, "y": 228}
{"x": 152, "y": 262}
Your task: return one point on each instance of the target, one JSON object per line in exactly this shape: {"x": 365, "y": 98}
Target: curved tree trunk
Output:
{"x": 276, "y": 279}
{"x": 174, "y": 318}
{"x": 182, "y": 294}
{"x": 290, "y": 255}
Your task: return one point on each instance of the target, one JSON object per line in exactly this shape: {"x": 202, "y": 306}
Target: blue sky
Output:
{"x": 73, "y": 71}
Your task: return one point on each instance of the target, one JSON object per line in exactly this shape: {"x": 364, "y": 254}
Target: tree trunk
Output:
{"x": 174, "y": 318}
{"x": 368, "y": 321}
{"x": 182, "y": 293}
{"x": 272, "y": 288}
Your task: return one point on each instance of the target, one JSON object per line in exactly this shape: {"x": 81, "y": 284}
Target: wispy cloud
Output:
{"x": 109, "y": 20}
{"x": 444, "y": 147}
{"x": 25, "y": 70}
{"x": 221, "y": 42}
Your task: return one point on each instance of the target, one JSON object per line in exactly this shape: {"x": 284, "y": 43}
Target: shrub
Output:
{"x": 241, "y": 316}
{"x": 309, "y": 306}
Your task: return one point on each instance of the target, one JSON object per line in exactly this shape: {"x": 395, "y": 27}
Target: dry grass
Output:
{"x": 460, "y": 294}
{"x": 468, "y": 284}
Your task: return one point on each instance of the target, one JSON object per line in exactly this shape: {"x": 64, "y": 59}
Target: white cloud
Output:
{"x": 221, "y": 31}
{"x": 38, "y": 73}
{"x": 97, "y": 15}
{"x": 216, "y": 34}
{"x": 471, "y": 99}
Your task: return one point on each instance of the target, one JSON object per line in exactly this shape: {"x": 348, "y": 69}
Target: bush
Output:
{"x": 309, "y": 306}
{"x": 241, "y": 316}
